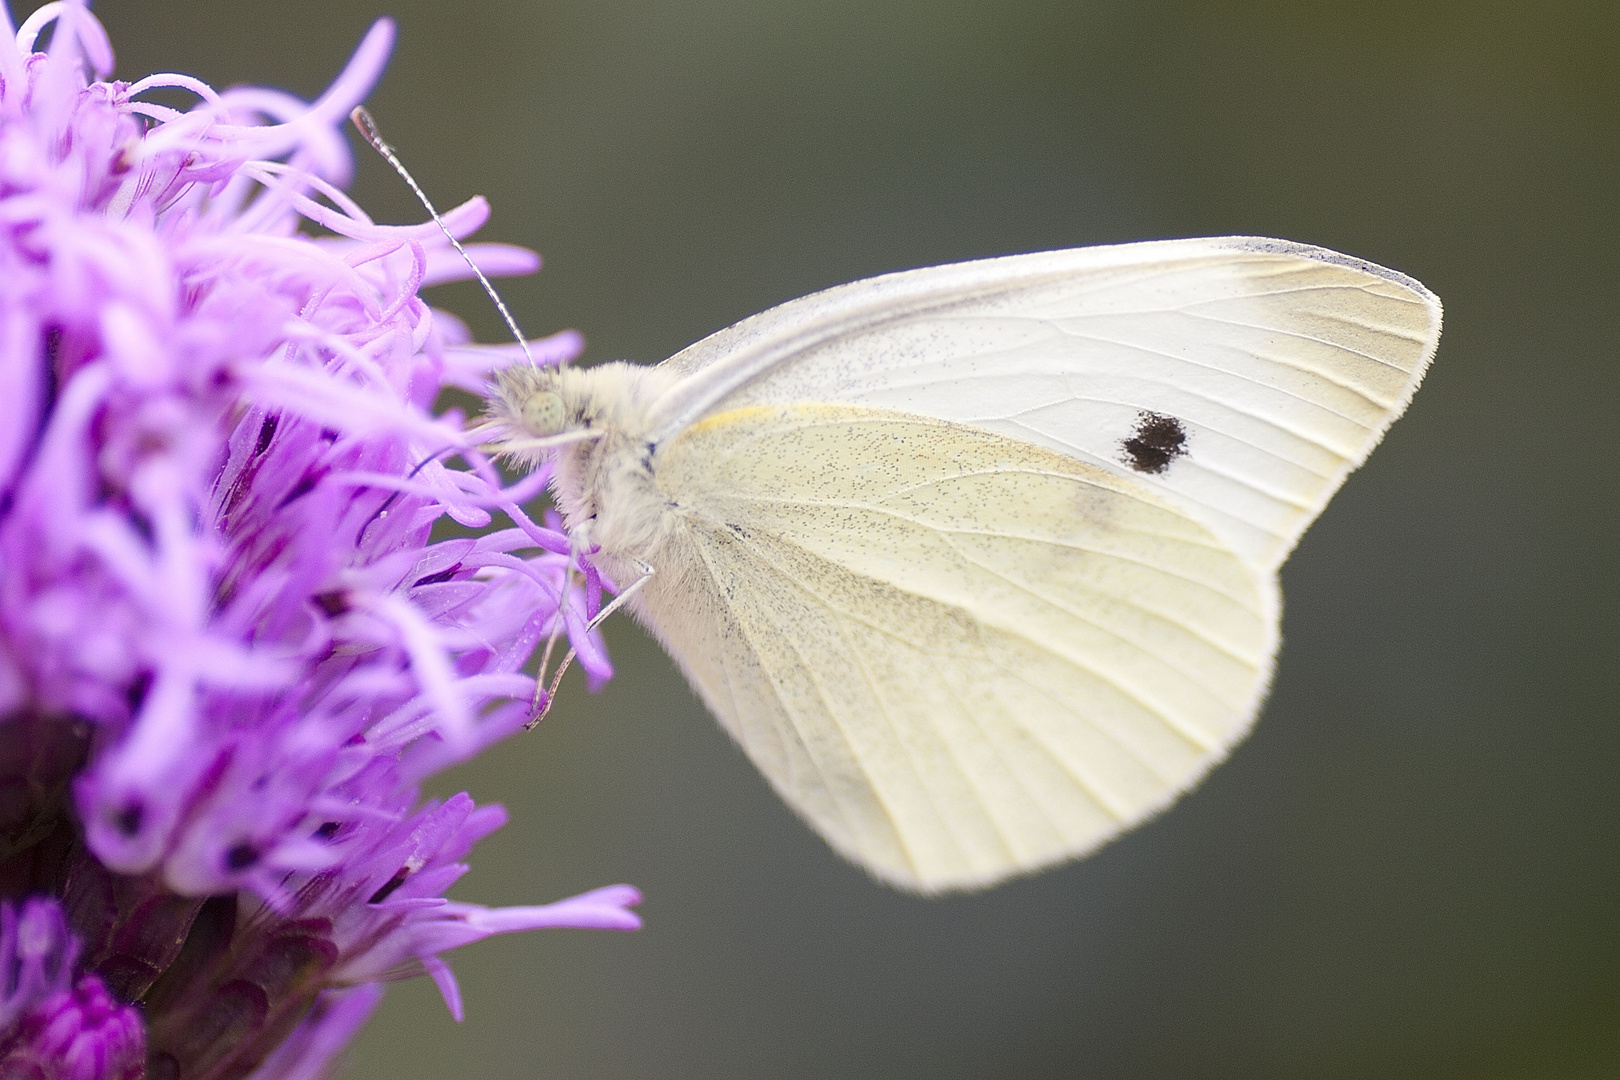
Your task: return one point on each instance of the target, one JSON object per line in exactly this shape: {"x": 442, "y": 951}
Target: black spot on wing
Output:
{"x": 1157, "y": 441}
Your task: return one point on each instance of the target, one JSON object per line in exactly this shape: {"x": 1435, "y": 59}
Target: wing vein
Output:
{"x": 1089, "y": 669}
{"x": 742, "y": 627}
{"x": 1065, "y": 544}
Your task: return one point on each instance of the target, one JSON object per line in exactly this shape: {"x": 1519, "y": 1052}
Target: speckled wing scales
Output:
{"x": 957, "y": 654}
{"x": 1280, "y": 365}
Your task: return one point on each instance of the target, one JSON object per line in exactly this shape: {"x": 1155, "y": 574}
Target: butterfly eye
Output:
{"x": 543, "y": 414}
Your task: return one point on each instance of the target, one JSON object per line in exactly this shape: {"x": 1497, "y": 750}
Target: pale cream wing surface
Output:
{"x": 1282, "y": 363}
{"x": 958, "y": 655}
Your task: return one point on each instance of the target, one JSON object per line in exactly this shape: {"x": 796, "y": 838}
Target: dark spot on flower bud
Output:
{"x": 327, "y": 830}
{"x": 434, "y": 579}
{"x": 267, "y": 432}
{"x": 135, "y": 696}
{"x": 334, "y": 603}
{"x": 128, "y": 820}
{"x": 1157, "y": 441}
{"x": 143, "y": 525}
{"x": 53, "y": 347}
{"x": 241, "y": 856}
{"x": 388, "y": 890}
{"x": 382, "y": 512}
{"x": 305, "y": 485}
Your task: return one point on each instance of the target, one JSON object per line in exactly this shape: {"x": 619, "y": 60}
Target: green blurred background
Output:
{"x": 1410, "y": 869}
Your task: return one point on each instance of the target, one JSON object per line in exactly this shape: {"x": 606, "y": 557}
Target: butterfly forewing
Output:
{"x": 957, "y": 654}
{"x": 1240, "y": 379}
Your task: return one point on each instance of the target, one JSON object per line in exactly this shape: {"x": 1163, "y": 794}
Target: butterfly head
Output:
{"x": 591, "y": 426}
{"x": 532, "y": 411}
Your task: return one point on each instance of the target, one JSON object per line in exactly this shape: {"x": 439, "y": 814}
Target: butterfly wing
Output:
{"x": 1240, "y": 379}
{"x": 959, "y": 655}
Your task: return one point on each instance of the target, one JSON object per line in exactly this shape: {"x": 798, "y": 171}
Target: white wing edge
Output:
{"x": 1262, "y": 245}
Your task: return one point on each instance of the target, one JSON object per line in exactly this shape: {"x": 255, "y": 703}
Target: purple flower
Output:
{"x": 78, "y": 1034}
{"x": 230, "y": 646}
{"x": 37, "y": 955}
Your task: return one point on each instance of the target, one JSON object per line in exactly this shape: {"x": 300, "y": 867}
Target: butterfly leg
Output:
{"x": 630, "y": 590}
{"x": 543, "y": 695}
{"x": 579, "y": 542}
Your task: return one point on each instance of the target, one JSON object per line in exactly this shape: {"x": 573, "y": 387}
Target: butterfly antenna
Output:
{"x": 368, "y": 130}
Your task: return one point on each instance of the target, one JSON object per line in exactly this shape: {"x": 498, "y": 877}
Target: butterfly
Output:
{"x": 978, "y": 562}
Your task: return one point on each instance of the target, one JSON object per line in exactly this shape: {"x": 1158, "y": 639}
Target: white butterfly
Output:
{"x": 978, "y": 563}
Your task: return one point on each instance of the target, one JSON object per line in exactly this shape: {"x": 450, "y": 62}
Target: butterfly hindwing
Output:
{"x": 959, "y": 655}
